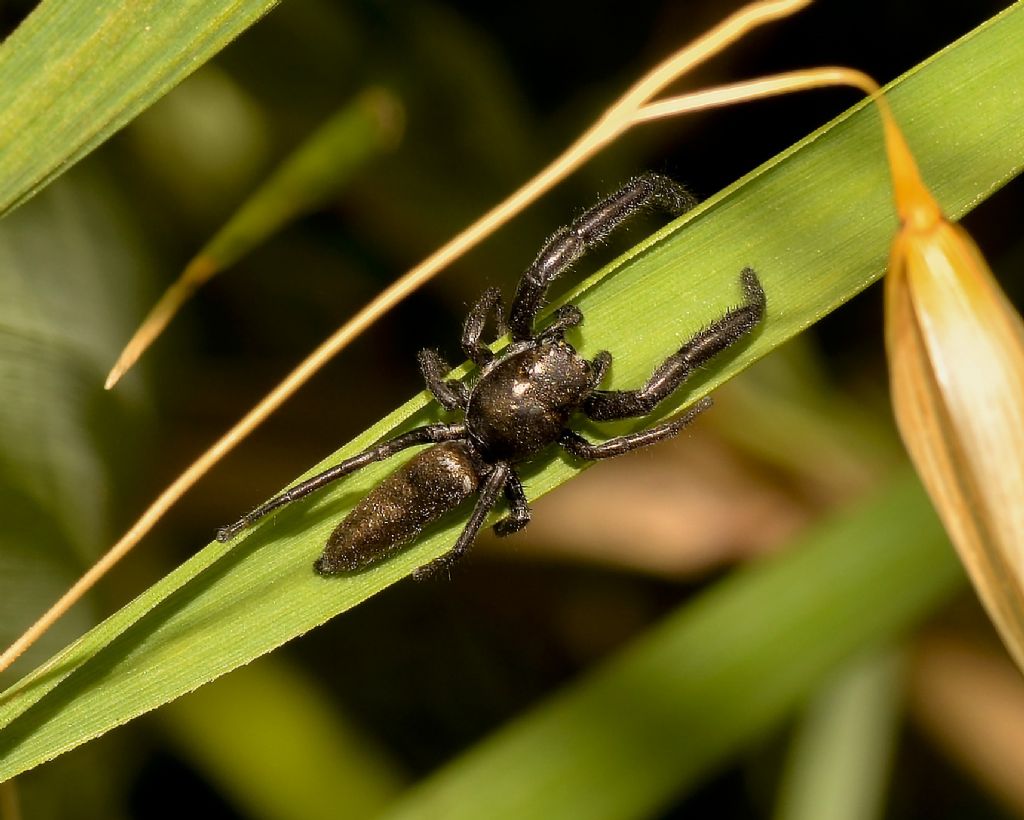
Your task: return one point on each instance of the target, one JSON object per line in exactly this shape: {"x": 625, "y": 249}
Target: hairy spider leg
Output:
{"x": 606, "y": 405}
{"x": 567, "y": 316}
{"x": 428, "y": 434}
{"x": 518, "y": 510}
{"x": 645, "y": 192}
{"x": 451, "y": 394}
{"x": 489, "y": 304}
{"x": 578, "y": 446}
{"x": 493, "y": 485}
{"x": 599, "y": 365}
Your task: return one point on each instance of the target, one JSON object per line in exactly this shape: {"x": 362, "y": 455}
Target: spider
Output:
{"x": 518, "y": 405}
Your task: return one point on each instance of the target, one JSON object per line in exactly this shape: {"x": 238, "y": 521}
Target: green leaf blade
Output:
{"x": 76, "y": 71}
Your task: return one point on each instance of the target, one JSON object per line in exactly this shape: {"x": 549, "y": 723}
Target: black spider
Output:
{"x": 519, "y": 403}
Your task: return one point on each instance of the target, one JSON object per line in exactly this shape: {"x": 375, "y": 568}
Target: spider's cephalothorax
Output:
{"x": 519, "y": 404}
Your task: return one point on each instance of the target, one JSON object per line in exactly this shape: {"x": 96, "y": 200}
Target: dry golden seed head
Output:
{"x": 956, "y": 355}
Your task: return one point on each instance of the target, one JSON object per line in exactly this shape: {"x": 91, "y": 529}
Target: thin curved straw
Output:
{"x": 912, "y": 197}
{"x": 618, "y": 118}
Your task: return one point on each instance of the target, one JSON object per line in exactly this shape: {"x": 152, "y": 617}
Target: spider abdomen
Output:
{"x": 395, "y": 511}
{"x": 521, "y": 405}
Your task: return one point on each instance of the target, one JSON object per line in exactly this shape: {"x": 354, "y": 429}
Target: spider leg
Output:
{"x": 644, "y": 192}
{"x": 566, "y": 316}
{"x": 428, "y": 434}
{"x": 599, "y": 366}
{"x": 450, "y": 393}
{"x": 519, "y": 511}
{"x": 604, "y": 405}
{"x": 489, "y": 493}
{"x": 489, "y": 304}
{"x": 578, "y": 446}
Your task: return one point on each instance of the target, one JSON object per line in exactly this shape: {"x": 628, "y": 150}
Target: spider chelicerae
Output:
{"x": 519, "y": 403}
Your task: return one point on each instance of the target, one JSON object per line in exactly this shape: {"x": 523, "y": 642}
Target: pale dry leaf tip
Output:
{"x": 956, "y": 358}
{"x": 198, "y": 271}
